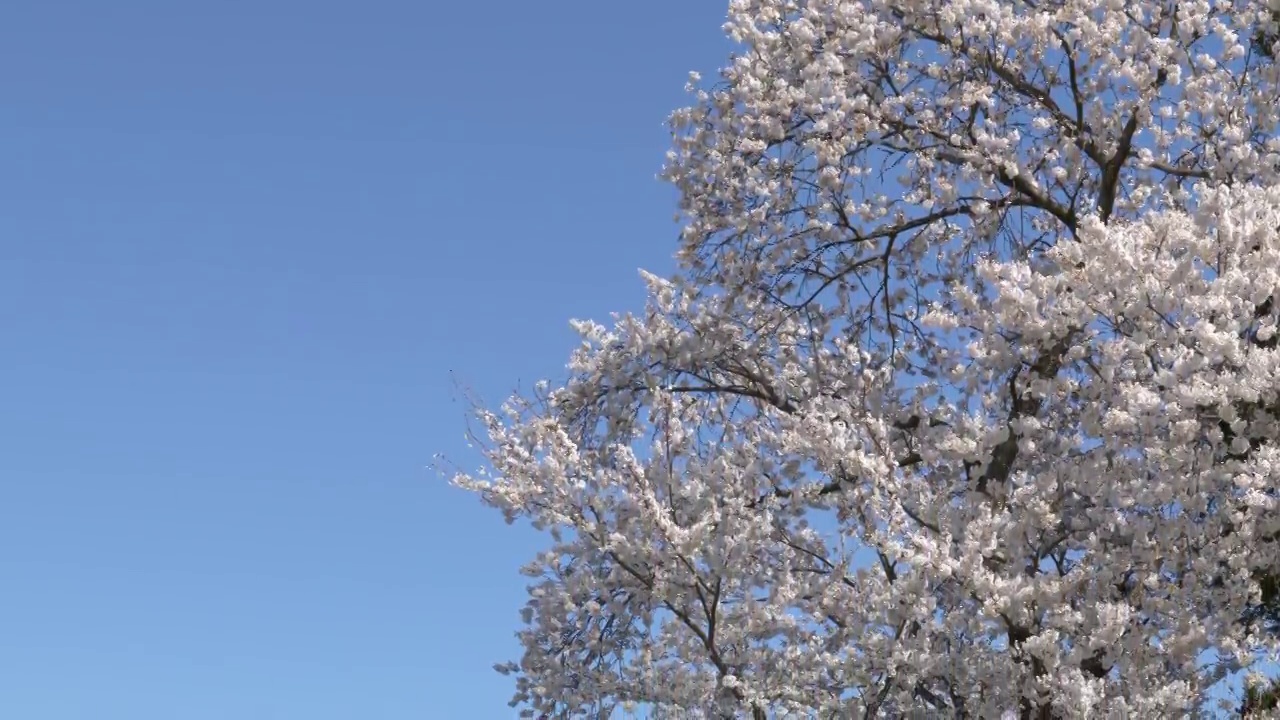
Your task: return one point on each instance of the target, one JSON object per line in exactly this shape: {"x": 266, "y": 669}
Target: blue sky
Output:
{"x": 246, "y": 249}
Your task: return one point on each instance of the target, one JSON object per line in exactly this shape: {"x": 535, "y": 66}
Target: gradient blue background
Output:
{"x": 247, "y": 249}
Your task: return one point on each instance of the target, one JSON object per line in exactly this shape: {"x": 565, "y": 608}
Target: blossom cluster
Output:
{"x": 966, "y": 395}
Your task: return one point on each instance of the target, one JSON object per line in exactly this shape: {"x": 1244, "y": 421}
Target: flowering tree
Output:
{"x": 966, "y": 393}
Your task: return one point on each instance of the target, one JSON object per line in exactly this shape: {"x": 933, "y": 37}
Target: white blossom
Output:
{"x": 965, "y": 396}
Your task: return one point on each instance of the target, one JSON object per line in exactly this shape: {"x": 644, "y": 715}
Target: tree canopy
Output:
{"x": 966, "y": 393}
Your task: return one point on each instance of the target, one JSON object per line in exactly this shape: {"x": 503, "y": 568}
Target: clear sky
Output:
{"x": 245, "y": 245}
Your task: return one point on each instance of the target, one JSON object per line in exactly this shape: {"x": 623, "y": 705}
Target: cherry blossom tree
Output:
{"x": 965, "y": 396}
